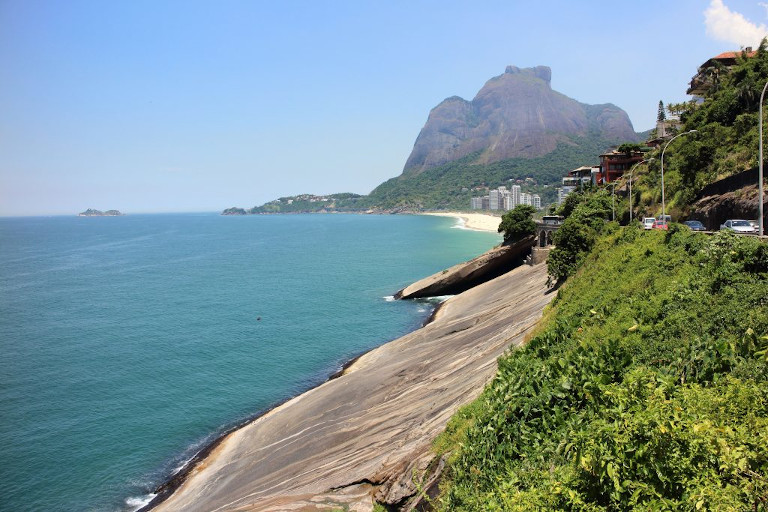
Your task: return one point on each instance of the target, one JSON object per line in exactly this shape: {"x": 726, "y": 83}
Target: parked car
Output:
{"x": 738, "y": 225}
{"x": 660, "y": 224}
{"x": 648, "y": 222}
{"x": 695, "y": 225}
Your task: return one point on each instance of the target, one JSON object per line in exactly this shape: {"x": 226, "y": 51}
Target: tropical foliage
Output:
{"x": 726, "y": 137}
{"x": 518, "y": 223}
{"x": 646, "y": 387}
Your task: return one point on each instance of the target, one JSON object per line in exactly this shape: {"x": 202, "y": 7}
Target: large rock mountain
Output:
{"x": 516, "y": 114}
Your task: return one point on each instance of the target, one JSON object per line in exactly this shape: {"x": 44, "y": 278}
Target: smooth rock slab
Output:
{"x": 361, "y": 437}
{"x": 463, "y": 276}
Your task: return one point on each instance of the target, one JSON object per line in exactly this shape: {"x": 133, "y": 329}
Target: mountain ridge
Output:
{"x": 515, "y": 114}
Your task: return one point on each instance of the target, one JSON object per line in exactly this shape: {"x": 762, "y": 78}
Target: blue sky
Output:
{"x": 150, "y": 106}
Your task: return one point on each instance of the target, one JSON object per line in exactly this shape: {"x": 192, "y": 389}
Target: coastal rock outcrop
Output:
{"x": 466, "y": 275}
{"x": 90, "y": 212}
{"x": 366, "y": 436}
{"x": 515, "y": 114}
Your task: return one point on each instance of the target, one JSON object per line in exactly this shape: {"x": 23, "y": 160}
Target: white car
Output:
{"x": 648, "y": 222}
{"x": 738, "y": 225}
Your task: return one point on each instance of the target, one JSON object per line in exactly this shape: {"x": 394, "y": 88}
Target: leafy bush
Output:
{"x": 518, "y": 223}
{"x": 586, "y": 215}
{"x": 646, "y": 388}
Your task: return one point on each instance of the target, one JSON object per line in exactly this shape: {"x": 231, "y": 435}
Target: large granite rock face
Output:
{"x": 516, "y": 114}
{"x": 464, "y": 276}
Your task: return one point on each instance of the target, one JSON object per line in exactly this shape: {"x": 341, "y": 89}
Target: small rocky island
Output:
{"x": 90, "y": 212}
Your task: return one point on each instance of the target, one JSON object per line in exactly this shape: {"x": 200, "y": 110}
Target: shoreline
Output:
{"x": 175, "y": 480}
{"x": 474, "y": 221}
{"x": 371, "y": 422}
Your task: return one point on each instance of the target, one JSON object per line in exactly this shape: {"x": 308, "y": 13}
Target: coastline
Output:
{"x": 373, "y": 426}
{"x": 473, "y": 221}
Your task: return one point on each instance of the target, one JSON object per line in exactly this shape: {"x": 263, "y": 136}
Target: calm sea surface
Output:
{"x": 129, "y": 342}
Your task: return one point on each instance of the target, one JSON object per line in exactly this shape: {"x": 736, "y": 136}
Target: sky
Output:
{"x": 156, "y": 106}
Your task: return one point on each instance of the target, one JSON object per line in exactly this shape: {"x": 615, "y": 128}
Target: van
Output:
{"x": 648, "y": 222}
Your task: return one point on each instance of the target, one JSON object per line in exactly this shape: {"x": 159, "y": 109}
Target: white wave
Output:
{"x": 389, "y": 298}
{"x": 460, "y": 223}
{"x": 137, "y": 502}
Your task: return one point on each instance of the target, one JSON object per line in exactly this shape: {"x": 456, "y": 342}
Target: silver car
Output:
{"x": 738, "y": 225}
{"x": 648, "y": 222}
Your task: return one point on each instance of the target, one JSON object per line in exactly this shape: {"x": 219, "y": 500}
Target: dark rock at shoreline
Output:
{"x": 464, "y": 276}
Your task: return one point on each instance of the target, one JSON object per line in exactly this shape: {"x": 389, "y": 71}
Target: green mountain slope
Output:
{"x": 449, "y": 185}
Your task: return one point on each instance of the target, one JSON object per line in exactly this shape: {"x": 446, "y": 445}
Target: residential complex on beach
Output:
{"x": 504, "y": 199}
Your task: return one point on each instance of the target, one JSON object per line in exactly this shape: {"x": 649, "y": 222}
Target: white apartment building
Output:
{"x": 515, "y": 195}
{"x": 537, "y": 201}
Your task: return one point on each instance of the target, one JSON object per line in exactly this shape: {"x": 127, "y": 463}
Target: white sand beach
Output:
{"x": 476, "y": 221}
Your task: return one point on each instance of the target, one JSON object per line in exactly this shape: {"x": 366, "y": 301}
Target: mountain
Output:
{"x": 516, "y": 114}
{"x": 516, "y": 128}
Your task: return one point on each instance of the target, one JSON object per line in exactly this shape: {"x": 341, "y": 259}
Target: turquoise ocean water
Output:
{"x": 130, "y": 342}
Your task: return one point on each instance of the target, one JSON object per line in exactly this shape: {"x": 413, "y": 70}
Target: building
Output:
{"x": 537, "y": 201}
{"x": 515, "y": 195}
{"x": 508, "y": 202}
{"x": 477, "y": 203}
{"x": 614, "y": 163}
{"x": 710, "y": 72}
{"x": 525, "y": 198}
{"x": 584, "y": 175}
{"x": 494, "y": 199}
{"x": 563, "y": 192}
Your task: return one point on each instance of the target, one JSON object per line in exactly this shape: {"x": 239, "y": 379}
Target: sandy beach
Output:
{"x": 364, "y": 436}
{"x": 476, "y": 221}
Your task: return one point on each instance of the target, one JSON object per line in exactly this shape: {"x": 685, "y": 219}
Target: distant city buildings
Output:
{"x": 503, "y": 199}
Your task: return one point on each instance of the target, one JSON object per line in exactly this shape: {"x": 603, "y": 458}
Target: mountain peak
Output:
{"x": 515, "y": 114}
{"x": 542, "y": 72}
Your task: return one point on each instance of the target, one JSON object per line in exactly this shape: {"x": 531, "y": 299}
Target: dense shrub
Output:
{"x": 646, "y": 388}
{"x": 518, "y": 223}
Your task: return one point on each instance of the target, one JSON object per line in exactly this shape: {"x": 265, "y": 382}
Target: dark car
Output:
{"x": 695, "y": 225}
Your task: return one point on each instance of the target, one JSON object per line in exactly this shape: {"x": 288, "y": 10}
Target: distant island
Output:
{"x": 90, "y": 212}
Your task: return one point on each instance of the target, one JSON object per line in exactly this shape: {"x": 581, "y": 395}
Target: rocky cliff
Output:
{"x": 516, "y": 114}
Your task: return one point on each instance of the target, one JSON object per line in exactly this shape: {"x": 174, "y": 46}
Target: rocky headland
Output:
{"x": 90, "y": 212}
{"x": 364, "y": 436}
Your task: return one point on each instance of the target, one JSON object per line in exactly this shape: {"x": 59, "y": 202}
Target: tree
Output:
{"x": 661, "y": 116}
{"x": 518, "y": 223}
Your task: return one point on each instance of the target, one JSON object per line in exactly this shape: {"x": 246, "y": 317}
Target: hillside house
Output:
{"x": 709, "y": 73}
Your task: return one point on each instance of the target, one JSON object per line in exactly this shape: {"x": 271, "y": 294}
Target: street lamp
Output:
{"x": 663, "y": 210}
{"x": 631, "y": 177}
{"x": 761, "y": 232}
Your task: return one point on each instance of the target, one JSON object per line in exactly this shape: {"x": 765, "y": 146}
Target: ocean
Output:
{"x": 128, "y": 343}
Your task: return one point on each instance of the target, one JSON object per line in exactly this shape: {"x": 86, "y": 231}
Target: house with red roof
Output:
{"x": 709, "y": 73}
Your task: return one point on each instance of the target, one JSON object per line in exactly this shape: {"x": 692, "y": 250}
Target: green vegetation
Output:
{"x": 449, "y": 186}
{"x": 646, "y": 387}
{"x": 585, "y": 215}
{"x": 726, "y": 141}
{"x": 518, "y": 223}
{"x": 310, "y": 203}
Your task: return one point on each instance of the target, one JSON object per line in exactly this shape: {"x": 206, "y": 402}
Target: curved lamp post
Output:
{"x": 761, "y": 231}
{"x": 663, "y": 210}
{"x": 631, "y": 177}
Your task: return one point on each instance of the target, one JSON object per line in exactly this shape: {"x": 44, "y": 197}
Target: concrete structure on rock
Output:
{"x": 710, "y": 73}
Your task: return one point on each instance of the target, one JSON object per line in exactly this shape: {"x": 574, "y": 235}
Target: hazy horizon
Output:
{"x": 157, "y": 107}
